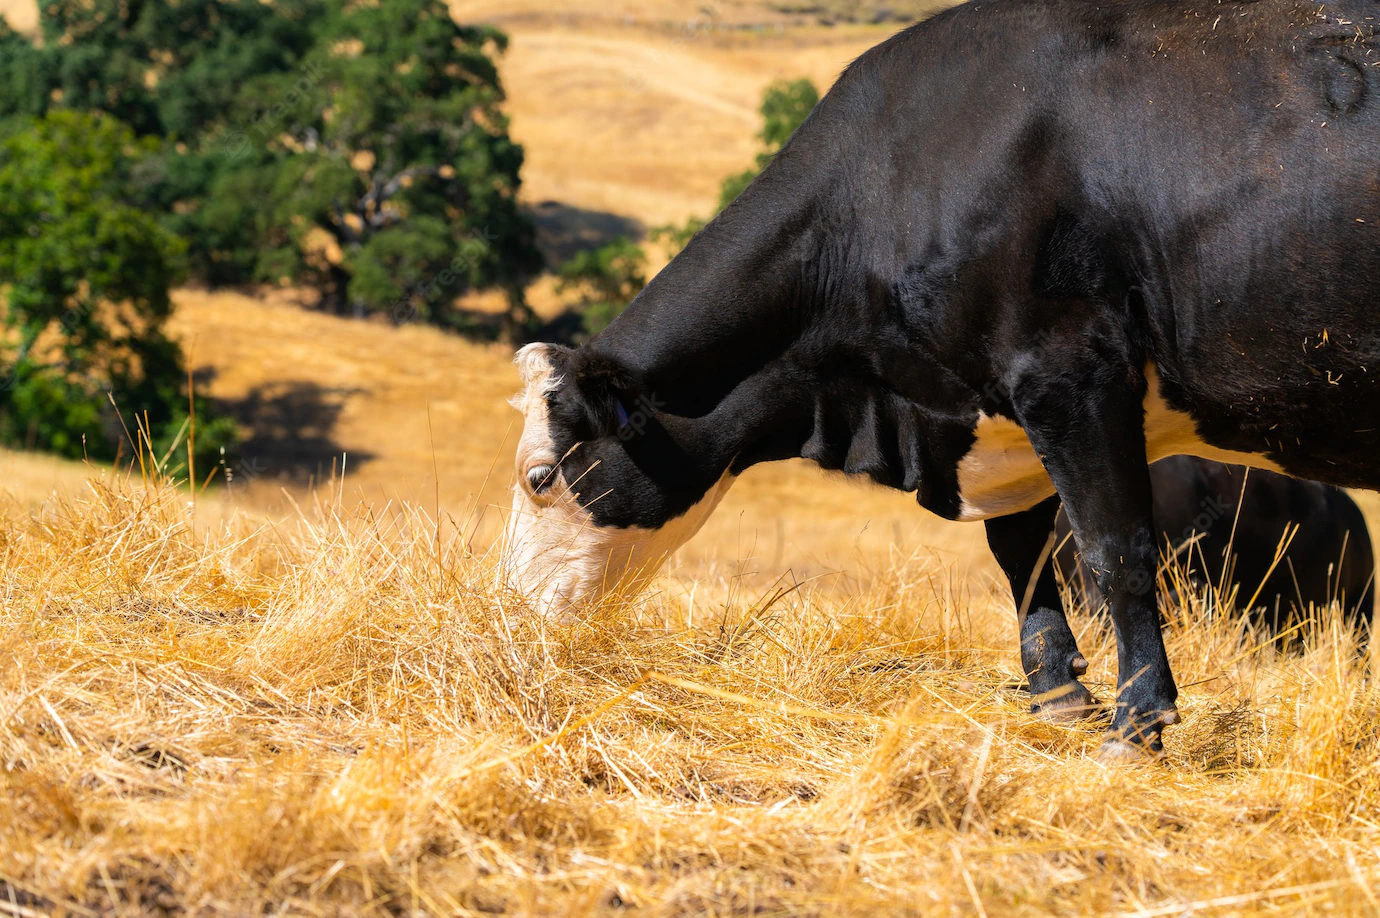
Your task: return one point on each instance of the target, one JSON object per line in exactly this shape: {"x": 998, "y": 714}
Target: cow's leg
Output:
{"x": 1049, "y": 653}
{"x": 1090, "y": 434}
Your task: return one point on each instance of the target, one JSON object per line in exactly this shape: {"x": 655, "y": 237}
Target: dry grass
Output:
{"x": 340, "y": 713}
{"x": 21, "y": 14}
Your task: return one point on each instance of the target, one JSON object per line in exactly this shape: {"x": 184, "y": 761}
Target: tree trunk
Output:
{"x": 334, "y": 298}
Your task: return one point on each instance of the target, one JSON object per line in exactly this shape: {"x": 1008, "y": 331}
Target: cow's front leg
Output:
{"x": 1092, "y": 442}
{"x": 1022, "y": 544}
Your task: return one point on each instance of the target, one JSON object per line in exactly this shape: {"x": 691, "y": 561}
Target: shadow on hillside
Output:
{"x": 563, "y": 231}
{"x": 289, "y": 432}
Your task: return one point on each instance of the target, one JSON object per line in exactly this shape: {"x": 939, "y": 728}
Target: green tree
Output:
{"x": 361, "y": 148}
{"x": 605, "y": 280}
{"x": 166, "y": 69}
{"x": 785, "y": 106}
{"x": 26, "y": 73}
{"x": 85, "y": 288}
{"x": 402, "y": 159}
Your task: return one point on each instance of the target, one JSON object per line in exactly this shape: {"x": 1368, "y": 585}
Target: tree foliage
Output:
{"x": 25, "y": 73}
{"x": 84, "y": 277}
{"x": 390, "y": 168}
{"x": 168, "y": 69}
{"x": 605, "y": 280}
{"x": 361, "y": 148}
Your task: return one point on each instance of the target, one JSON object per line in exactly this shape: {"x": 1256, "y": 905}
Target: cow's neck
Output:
{"x": 765, "y": 339}
{"x": 725, "y": 307}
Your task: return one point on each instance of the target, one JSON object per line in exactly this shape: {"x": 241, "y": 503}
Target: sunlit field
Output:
{"x": 341, "y": 712}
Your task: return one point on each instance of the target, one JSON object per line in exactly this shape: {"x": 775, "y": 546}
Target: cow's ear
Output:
{"x": 607, "y": 391}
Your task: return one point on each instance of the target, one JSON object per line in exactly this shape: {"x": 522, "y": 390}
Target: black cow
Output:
{"x": 1196, "y": 517}
{"x": 1021, "y": 248}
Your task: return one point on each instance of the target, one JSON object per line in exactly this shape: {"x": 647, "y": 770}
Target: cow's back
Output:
{"x": 1233, "y": 170}
{"x": 1206, "y": 175}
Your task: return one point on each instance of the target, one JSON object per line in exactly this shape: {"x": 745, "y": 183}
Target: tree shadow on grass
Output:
{"x": 290, "y": 432}
{"x": 564, "y": 231}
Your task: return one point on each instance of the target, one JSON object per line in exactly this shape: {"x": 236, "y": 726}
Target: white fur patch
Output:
{"x": 557, "y": 557}
{"x": 1001, "y": 473}
{"x": 538, "y": 379}
{"x": 552, "y": 551}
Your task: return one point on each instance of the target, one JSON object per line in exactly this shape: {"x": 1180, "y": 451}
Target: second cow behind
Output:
{"x": 1329, "y": 558}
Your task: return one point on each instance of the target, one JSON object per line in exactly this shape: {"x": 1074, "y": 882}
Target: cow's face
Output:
{"x": 603, "y": 493}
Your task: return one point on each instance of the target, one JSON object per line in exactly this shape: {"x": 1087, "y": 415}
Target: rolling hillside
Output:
{"x": 642, "y": 117}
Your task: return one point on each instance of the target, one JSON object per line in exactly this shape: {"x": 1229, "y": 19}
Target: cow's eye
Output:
{"x": 540, "y": 478}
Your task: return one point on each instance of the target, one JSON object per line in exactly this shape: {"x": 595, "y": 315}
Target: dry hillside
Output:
{"x": 642, "y": 114}
{"x": 20, "y": 14}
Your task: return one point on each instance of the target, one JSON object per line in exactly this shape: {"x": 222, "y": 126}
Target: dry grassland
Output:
{"x": 647, "y": 122}
{"x": 20, "y": 14}
{"x": 340, "y": 713}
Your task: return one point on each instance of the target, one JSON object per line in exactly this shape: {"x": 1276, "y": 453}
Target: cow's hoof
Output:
{"x": 1068, "y": 703}
{"x": 1118, "y": 751}
{"x": 1139, "y": 741}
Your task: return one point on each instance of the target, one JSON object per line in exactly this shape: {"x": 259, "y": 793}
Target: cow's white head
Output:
{"x": 604, "y": 490}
